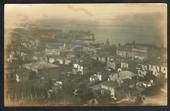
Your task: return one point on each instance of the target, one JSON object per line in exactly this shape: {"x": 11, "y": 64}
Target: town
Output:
{"x": 71, "y": 68}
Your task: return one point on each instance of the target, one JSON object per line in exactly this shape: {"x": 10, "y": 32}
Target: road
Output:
{"x": 160, "y": 99}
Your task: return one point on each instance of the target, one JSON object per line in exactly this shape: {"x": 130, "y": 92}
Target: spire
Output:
{"x": 107, "y": 42}
{"x": 134, "y": 43}
{"x": 93, "y": 37}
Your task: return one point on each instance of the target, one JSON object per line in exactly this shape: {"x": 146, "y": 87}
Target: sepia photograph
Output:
{"x": 93, "y": 54}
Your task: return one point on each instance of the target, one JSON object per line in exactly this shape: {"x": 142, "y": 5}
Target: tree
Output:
{"x": 119, "y": 45}
{"x": 134, "y": 43}
{"x": 85, "y": 92}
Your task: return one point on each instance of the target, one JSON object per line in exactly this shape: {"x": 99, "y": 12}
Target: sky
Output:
{"x": 146, "y": 23}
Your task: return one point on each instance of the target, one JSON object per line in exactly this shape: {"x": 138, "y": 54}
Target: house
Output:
{"x": 102, "y": 59}
{"x": 111, "y": 65}
{"x": 156, "y": 69}
{"x": 89, "y": 50}
{"x": 17, "y": 78}
{"x": 70, "y": 55}
{"x": 138, "y": 51}
{"x": 124, "y": 65}
{"x": 53, "y": 48}
{"x": 36, "y": 66}
{"x": 11, "y": 56}
{"x": 107, "y": 85}
{"x": 77, "y": 69}
{"x": 124, "y": 51}
{"x": 115, "y": 65}
{"x": 114, "y": 83}
{"x": 64, "y": 61}
{"x": 57, "y": 86}
{"x": 122, "y": 75}
{"x": 95, "y": 77}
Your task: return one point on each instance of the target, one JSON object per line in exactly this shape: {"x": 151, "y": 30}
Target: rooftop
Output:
{"x": 39, "y": 65}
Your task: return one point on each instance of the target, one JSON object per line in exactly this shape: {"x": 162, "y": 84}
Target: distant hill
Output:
{"x": 142, "y": 28}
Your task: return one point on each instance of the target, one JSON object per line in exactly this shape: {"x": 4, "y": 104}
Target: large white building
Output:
{"x": 137, "y": 51}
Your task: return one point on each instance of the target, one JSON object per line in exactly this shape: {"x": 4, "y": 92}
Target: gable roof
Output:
{"x": 39, "y": 65}
{"x": 123, "y": 75}
{"x": 112, "y": 84}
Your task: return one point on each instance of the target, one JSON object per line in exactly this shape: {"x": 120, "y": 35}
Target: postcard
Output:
{"x": 100, "y": 54}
